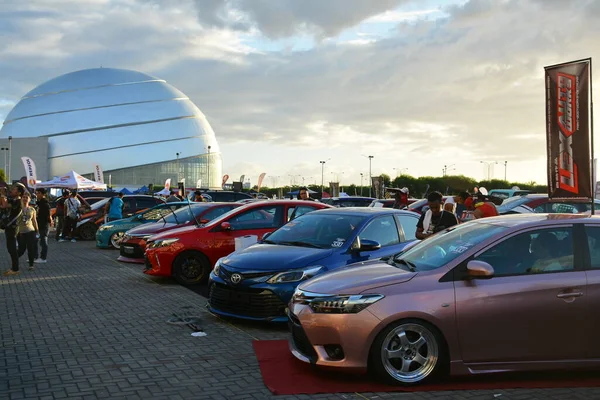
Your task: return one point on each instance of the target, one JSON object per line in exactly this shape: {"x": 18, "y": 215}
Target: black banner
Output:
{"x": 568, "y": 130}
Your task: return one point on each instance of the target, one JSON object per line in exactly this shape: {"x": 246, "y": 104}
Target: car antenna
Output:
{"x": 192, "y": 212}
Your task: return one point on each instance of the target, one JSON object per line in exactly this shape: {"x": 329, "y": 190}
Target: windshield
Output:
{"x": 512, "y": 202}
{"x": 324, "y": 231}
{"x": 183, "y": 215}
{"x": 447, "y": 245}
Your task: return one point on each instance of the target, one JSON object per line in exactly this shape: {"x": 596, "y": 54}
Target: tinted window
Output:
{"x": 145, "y": 202}
{"x": 216, "y": 212}
{"x": 183, "y": 214}
{"x": 258, "y": 218}
{"x": 539, "y": 251}
{"x": 129, "y": 204}
{"x": 157, "y": 213}
{"x": 382, "y": 230}
{"x": 295, "y": 212}
{"x": 223, "y": 196}
{"x": 240, "y": 196}
{"x": 409, "y": 226}
{"x": 593, "y": 235}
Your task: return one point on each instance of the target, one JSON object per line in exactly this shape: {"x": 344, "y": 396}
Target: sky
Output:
{"x": 419, "y": 85}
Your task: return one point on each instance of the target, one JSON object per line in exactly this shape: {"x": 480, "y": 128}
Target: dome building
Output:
{"x": 137, "y": 128}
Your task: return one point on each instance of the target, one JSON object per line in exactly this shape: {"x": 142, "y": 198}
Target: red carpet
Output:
{"x": 283, "y": 374}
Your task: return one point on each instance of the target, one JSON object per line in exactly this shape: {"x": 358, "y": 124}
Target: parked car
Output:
{"x": 110, "y": 234}
{"x": 133, "y": 244}
{"x": 540, "y": 203}
{"x": 485, "y": 296}
{"x": 91, "y": 221}
{"x": 420, "y": 206}
{"x": 388, "y": 203}
{"x": 256, "y": 283}
{"x": 224, "y": 195}
{"x": 107, "y": 194}
{"x": 189, "y": 253}
{"x": 506, "y": 193}
{"x": 349, "y": 201}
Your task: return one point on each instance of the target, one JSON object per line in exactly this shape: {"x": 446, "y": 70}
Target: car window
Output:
{"x": 593, "y": 238}
{"x": 145, "y": 202}
{"x": 157, "y": 213}
{"x": 409, "y": 226}
{"x": 216, "y": 212}
{"x": 223, "y": 197}
{"x": 295, "y": 212}
{"x": 258, "y": 218}
{"x": 129, "y": 204}
{"x": 534, "y": 252}
{"x": 240, "y": 196}
{"x": 382, "y": 230}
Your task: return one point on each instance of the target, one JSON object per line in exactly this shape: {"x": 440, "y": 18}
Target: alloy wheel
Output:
{"x": 115, "y": 239}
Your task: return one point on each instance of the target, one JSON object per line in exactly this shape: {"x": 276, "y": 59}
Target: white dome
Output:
{"x": 112, "y": 117}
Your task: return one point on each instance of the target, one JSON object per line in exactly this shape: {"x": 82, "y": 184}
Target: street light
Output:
{"x": 489, "y": 165}
{"x": 208, "y": 169}
{"x": 370, "y": 174}
{"x": 178, "y": 168}
{"x": 445, "y": 169}
{"x": 361, "y": 183}
{"x": 323, "y": 174}
{"x": 505, "y": 163}
{"x": 399, "y": 171}
{"x": 9, "y": 181}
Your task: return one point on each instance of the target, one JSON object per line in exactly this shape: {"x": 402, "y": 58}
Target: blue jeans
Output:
{"x": 44, "y": 241}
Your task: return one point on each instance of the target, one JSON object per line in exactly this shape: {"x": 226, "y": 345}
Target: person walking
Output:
{"x": 435, "y": 219}
{"x": 44, "y": 222}
{"x": 114, "y": 208}
{"x": 303, "y": 194}
{"x": 72, "y": 205}
{"x": 12, "y": 210}
{"x": 28, "y": 230}
{"x": 60, "y": 214}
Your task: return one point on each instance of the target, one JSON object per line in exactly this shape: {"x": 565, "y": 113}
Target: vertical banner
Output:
{"x": 242, "y": 178}
{"x": 568, "y": 130}
{"x": 225, "y": 179}
{"x": 98, "y": 174}
{"x": 377, "y": 184}
{"x": 198, "y": 183}
{"x": 334, "y": 188}
{"x": 168, "y": 184}
{"x": 260, "y": 180}
{"x": 30, "y": 171}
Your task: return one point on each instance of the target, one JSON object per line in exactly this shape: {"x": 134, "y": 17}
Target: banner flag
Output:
{"x": 568, "y": 130}
{"x": 98, "y": 174}
{"x": 168, "y": 184}
{"x": 242, "y": 178}
{"x": 198, "y": 183}
{"x": 225, "y": 179}
{"x": 30, "y": 171}
{"x": 260, "y": 180}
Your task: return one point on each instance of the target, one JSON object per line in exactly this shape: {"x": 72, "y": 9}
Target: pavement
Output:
{"x": 84, "y": 326}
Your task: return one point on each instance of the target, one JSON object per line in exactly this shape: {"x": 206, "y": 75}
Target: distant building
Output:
{"x": 130, "y": 124}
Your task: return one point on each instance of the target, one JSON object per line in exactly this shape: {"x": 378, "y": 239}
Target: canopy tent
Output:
{"x": 142, "y": 190}
{"x": 72, "y": 180}
{"x": 125, "y": 191}
{"x": 164, "y": 192}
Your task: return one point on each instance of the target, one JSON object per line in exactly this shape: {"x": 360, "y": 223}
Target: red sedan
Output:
{"x": 189, "y": 253}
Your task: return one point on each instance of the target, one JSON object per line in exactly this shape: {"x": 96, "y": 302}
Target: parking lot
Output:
{"x": 85, "y": 326}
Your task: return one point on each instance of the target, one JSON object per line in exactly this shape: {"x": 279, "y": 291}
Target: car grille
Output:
{"x": 301, "y": 342}
{"x": 254, "y": 303}
{"x": 147, "y": 263}
{"x": 226, "y": 273}
{"x": 137, "y": 251}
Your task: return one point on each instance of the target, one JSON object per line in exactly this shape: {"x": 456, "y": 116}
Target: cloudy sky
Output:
{"x": 287, "y": 83}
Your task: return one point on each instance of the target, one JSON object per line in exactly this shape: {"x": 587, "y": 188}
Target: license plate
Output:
{"x": 128, "y": 250}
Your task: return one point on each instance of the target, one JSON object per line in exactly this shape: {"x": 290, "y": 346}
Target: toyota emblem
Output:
{"x": 236, "y": 278}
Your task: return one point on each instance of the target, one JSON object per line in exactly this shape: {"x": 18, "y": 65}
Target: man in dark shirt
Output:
{"x": 304, "y": 195}
{"x": 12, "y": 205}
{"x": 44, "y": 222}
{"x": 60, "y": 214}
{"x": 435, "y": 219}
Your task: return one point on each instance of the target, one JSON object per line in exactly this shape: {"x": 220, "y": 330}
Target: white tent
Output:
{"x": 72, "y": 180}
{"x": 164, "y": 192}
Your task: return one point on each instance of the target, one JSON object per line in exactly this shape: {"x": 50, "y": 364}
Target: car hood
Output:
{"x": 272, "y": 257}
{"x": 176, "y": 232}
{"x": 151, "y": 229}
{"x": 124, "y": 221}
{"x": 357, "y": 278}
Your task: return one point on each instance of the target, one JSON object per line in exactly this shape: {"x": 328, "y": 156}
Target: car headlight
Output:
{"x": 105, "y": 227}
{"x": 162, "y": 243}
{"x": 343, "y": 304}
{"x": 217, "y": 267}
{"x": 296, "y": 275}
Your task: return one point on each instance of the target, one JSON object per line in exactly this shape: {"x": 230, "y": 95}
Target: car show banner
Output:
{"x": 225, "y": 179}
{"x": 98, "y": 174}
{"x": 260, "y": 180}
{"x": 30, "y": 171}
{"x": 168, "y": 184}
{"x": 568, "y": 135}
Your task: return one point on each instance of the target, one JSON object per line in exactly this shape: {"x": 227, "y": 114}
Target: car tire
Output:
{"x": 191, "y": 268}
{"x": 87, "y": 231}
{"x": 419, "y": 353}
{"x": 115, "y": 240}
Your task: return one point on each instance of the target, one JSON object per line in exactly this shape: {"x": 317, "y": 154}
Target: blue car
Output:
{"x": 258, "y": 282}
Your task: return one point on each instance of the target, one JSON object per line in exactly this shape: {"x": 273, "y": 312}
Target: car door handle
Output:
{"x": 567, "y": 295}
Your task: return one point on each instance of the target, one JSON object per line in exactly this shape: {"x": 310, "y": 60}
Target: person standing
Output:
{"x": 173, "y": 198}
{"x": 72, "y": 205}
{"x": 481, "y": 207}
{"x": 435, "y": 219}
{"x": 11, "y": 205}
{"x": 60, "y": 214}
{"x": 44, "y": 222}
{"x": 401, "y": 199}
{"x": 115, "y": 208}
{"x": 460, "y": 204}
{"x": 28, "y": 230}
{"x": 198, "y": 197}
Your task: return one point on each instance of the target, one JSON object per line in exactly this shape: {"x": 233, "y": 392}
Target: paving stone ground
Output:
{"x": 84, "y": 326}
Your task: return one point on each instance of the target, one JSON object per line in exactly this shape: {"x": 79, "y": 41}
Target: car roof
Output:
{"x": 525, "y": 220}
{"x": 364, "y": 211}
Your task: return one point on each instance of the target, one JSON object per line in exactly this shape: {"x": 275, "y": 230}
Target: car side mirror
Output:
{"x": 369, "y": 245}
{"x": 225, "y": 226}
{"x": 205, "y": 221}
{"x": 479, "y": 269}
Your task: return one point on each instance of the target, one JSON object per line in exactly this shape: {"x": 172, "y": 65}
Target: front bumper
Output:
{"x": 313, "y": 334}
{"x": 158, "y": 262}
{"x": 259, "y": 302}
{"x": 102, "y": 240}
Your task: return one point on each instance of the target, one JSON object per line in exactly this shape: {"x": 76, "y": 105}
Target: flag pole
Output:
{"x": 592, "y": 139}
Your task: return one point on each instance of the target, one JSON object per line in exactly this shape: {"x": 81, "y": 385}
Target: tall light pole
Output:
{"x": 361, "y": 183}
{"x": 178, "y": 168}
{"x": 445, "y": 170}
{"x": 9, "y": 158}
{"x": 370, "y": 176}
{"x": 208, "y": 170}
{"x": 489, "y": 165}
{"x": 323, "y": 174}
{"x": 505, "y": 164}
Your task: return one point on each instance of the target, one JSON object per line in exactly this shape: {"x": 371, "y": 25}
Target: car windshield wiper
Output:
{"x": 300, "y": 244}
{"x": 411, "y": 266}
{"x": 268, "y": 241}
